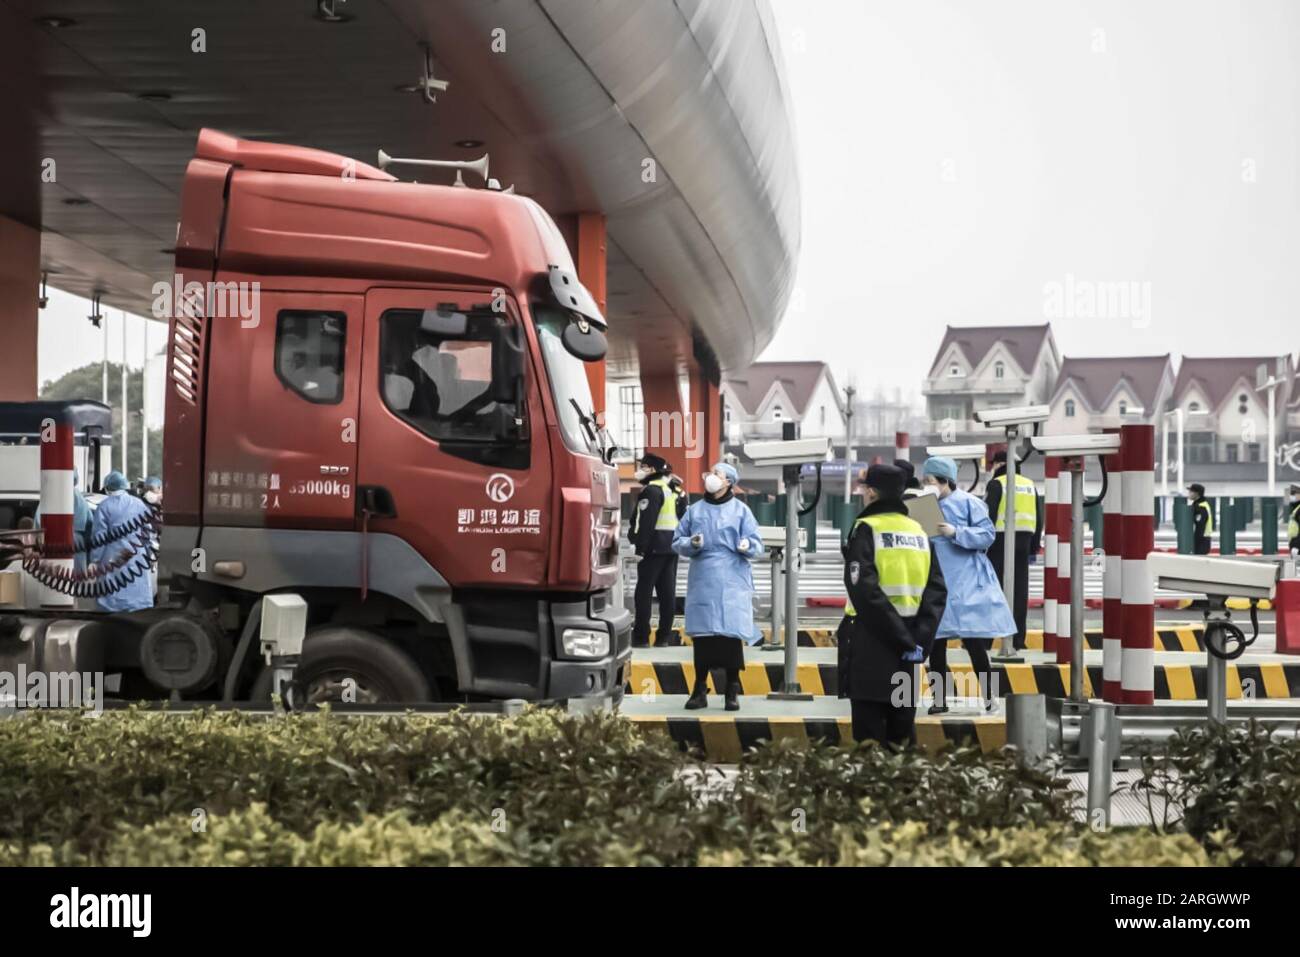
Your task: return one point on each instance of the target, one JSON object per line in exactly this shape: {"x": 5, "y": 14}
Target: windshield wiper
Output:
{"x": 592, "y": 428}
{"x": 586, "y": 421}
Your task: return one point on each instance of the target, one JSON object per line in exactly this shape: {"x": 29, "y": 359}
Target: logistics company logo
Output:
{"x": 75, "y": 909}
{"x": 500, "y": 487}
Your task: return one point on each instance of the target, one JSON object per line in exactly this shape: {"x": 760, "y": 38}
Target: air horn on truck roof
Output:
{"x": 479, "y": 165}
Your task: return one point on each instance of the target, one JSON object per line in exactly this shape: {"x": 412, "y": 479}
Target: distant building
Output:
{"x": 1097, "y": 393}
{"x": 758, "y": 401}
{"x": 987, "y": 367}
{"x": 1225, "y": 418}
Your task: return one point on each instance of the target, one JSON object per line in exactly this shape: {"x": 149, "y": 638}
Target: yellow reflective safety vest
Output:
{"x": 902, "y": 561}
{"x": 666, "y": 520}
{"x": 1293, "y": 526}
{"x": 1026, "y": 504}
{"x": 1209, "y": 516}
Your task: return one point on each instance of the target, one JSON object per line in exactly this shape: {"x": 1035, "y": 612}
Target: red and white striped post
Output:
{"x": 56, "y": 502}
{"x": 1065, "y": 532}
{"x": 1112, "y": 620}
{"x": 902, "y": 446}
{"x": 1051, "y": 470}
{"x": 1137, "y": 454}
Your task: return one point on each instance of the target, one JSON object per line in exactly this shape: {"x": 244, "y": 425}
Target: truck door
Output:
{"x": 283, "y": 394}
{"x": 453, "y": 457}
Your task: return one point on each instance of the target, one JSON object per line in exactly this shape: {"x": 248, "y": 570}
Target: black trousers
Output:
{"x": 1201, "y": 546}
{"x": 881, "y": 721}
{"x": 657, "y": 574}
{"x": 1021, "y": 609}
{"x": 977, "y": 648}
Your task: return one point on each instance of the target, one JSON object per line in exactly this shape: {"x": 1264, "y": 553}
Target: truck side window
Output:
{"x": 309, "y": 350}
{"x": 439, "y": 381}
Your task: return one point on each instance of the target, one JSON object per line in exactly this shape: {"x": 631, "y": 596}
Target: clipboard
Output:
{"x": 924, "y": 508}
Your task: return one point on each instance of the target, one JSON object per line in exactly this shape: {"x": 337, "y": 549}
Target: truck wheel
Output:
{"x": 344, "y": 665}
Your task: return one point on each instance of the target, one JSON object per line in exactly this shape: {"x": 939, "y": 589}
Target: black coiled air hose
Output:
{"x": 1225, "y": 640}
{"x": 140, "y": 554}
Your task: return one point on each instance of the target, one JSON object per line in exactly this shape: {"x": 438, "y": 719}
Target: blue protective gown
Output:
{"x": 976, "y": 606}
{"x": 719, "y": 582}
{"x": 116, "y": 510}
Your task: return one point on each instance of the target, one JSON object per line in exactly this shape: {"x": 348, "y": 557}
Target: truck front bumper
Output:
{"x": 570, "y": 677}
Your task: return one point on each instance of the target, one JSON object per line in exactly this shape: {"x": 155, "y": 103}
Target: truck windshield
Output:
{"x": 568, "y": 379}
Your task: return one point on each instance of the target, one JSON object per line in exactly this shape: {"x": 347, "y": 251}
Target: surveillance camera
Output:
{"x": 1017, "y": 415}
{"x": 1214, "y": 577}
{"x": 957, "y": 451}
{"x": 773, "y": 536}
{"x": 789, "y": 452}
{"x": 1097, "y": 443}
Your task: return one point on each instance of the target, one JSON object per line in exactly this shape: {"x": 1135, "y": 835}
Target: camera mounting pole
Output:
{"x": 791, "y": 453}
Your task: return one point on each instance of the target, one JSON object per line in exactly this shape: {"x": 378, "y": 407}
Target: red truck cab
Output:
{"x": 376, "y": 398}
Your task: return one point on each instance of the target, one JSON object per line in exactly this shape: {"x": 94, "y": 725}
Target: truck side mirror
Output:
{"x": 583, "y": 340}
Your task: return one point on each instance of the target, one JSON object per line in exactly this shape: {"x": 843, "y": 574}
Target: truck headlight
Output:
{"x": 584, "y": 643}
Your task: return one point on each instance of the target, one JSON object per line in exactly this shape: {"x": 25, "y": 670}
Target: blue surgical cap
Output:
{"x": 729, "y": 471}
{"x": 153, "y": 481}
{"x": 940, "y": 466}
{"x": 114, "y": 481}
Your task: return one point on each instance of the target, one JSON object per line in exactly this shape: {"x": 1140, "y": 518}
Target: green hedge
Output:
{"x": 542, "y": 788}
{"x": 1236, "y": 789}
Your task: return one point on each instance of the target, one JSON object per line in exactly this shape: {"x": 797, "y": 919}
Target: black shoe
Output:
{"x": 938, "y": 709}
{"x": 733, "y": 698}
{"x": 672, "y": 640}
{"x": 699, "y": 699}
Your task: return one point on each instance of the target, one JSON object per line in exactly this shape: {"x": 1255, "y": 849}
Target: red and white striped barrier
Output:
{"x": 1051, "y": 469}
{"x": 1065, "y": 533}
{"x": 56, "y": 502}
{"x": 1112, "y": 621}
{"x": 902, "y": 446}
{"x": 1137, "y": 454}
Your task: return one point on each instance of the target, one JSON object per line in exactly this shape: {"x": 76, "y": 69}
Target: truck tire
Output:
{"x": 381, "y": 672}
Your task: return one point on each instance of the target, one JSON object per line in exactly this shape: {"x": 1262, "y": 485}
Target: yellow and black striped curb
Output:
{"x": 1181, "y": 682}
{"x": 808, "y": 637}
{"x": 722, "y": 739}
{"x": 1178, "y": 638}
{"x": 1174, "y": 638}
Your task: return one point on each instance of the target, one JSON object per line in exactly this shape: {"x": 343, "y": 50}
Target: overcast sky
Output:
{"x": 957, "y": 158}
{"x": 1004, "y": 161}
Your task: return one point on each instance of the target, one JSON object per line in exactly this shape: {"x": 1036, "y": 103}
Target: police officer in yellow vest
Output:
{"x": 659, "y": 506}
{"x": 896, "y": 598}
{"x": 1027, "y": 517}
{"x": 1293, "y": 520}
{"x": 1202, "y": 519}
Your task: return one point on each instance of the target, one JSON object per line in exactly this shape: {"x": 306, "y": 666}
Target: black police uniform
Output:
{"x": 657, "y": 571}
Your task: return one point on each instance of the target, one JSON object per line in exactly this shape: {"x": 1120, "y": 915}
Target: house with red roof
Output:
{"x": 987, "y": 367}
{"x": 1104, "y": 392}
{"x": 1225, "y": 417}
{"x": 757, "y": 401}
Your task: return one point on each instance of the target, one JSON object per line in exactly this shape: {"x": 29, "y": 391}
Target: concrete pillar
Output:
{"x": 592, "y": 274}
{"x": 705, "y": 418}
{"x": 1112, "y": 623}
{"x": 1137, "y": 453}
{"x": 20, "y": 279}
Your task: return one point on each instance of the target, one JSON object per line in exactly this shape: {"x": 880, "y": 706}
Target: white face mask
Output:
{"x": 153, "y": 498}
{"x": 641, "y": 474}
{"x": 714, "y": 483}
